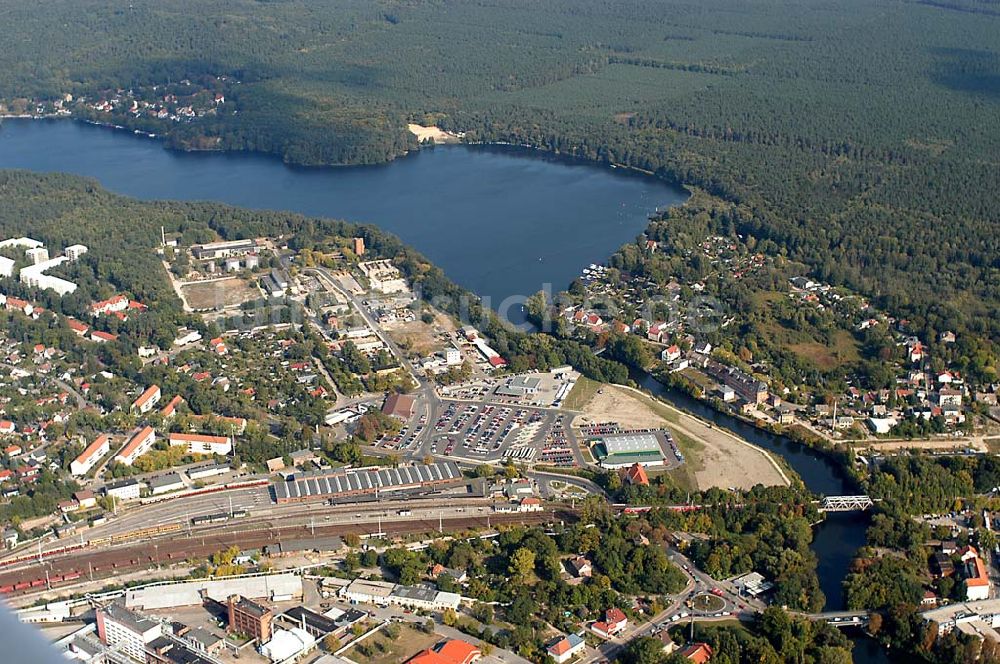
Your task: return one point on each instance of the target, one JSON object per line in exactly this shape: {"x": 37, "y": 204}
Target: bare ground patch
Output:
{"x": 715, "y": 457}
{"x": 219, "y": 294}
{"x": 420, "y": 337}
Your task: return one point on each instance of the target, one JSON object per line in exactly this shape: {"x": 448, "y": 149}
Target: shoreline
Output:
{"x": 672, "y": 181}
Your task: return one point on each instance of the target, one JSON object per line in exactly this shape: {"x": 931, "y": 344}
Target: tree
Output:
{"x": 482, "y": 612}
{"x": 522, "y": 565}
{"x": 644, "y": 650}
{"x": 449, "y": 617}
{"x": 331, "y": 642}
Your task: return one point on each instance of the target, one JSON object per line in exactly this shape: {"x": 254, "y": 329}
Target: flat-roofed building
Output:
{"x": 21, "y": 242}
{"x": 35, "y": 277}
{"x": 128, "y": 632}
{"x": 90, "y": 456}
{"x": 37, "y": 255}
{"x": 216, "y": 250}
{"x": 249, "y": 617}
{"x": 75, "y": 251}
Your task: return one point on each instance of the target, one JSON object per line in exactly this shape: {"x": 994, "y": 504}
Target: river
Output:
{"x": 837, "y": 539}
{"x": 503, "y": 222}
{"x": 498, "y": 223}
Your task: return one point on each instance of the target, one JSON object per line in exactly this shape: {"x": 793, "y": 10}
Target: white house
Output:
{"x": 90, "y": 456}
{"x": 202, "y": 444}
{"x": 137, "y": 445}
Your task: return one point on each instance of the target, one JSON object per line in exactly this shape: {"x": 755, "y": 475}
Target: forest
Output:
{"x": 861, "y": 138}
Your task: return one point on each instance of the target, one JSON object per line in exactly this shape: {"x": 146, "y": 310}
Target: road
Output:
{"x": 698, "y": 583}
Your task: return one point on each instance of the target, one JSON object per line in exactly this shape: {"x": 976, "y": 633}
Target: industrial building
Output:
{"x": 166, "y": 483}
{"x": 384, "y": 593}
{"x": 216, "y": 250}
{"x": 324, "y": 485}
{"x": 624, "y": 450}
{"x": 249, "y": 617}
{"x": 278, "y": 587}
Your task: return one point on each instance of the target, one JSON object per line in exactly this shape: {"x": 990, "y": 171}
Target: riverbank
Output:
{"x": 714, "y": 457}
{"x": 797, "y": 435}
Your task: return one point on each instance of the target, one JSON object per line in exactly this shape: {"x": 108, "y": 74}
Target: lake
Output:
{"x": 503, "y": 222}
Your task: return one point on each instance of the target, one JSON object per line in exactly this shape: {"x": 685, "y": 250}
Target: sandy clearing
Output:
{"x": 720, "y": 459}
{"x": 435, "y": 134}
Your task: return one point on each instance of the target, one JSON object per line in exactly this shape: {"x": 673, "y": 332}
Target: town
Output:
{"x": 300, "y": 468}
{"x": 391, "y": 420}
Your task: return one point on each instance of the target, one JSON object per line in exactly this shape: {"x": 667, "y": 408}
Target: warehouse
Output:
{"x": 327, "y": 485}
{"x": 624, "y": 450}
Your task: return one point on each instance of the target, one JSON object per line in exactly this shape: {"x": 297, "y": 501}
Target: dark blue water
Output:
{"x": 503, "y": 222}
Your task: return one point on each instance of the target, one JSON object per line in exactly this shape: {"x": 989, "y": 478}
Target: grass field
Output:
{"x": 844, "y": 350}
{"x": 581, "y": 394}
{"x": 390, "y": 651}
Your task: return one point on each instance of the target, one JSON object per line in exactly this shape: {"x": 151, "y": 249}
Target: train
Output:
{"x": 218, "y": 517}
{"x": 38, "y": 583}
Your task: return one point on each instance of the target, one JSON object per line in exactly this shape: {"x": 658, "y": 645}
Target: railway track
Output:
{"x": 106, "y": 564}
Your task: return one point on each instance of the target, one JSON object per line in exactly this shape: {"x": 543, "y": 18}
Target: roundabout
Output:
{"x": 707, "y": 603}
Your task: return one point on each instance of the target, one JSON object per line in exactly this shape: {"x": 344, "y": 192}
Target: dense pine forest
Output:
{"x": 862, "y": 137}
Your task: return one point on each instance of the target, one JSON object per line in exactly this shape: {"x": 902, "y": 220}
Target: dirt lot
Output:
{"x": 419, "y": 337}
{"x": 221, "y": 293}
{"x": 716, "y": 457}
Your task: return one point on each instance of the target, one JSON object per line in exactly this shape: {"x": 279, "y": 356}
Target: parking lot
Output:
{"x": 491, "y": 432}
{"x": 407, "y": 438}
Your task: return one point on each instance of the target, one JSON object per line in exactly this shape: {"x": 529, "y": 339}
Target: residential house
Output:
{"x": 149, "y": 398}
{"x": 614, "y": 623}
{"x": 137, "y": 445}
{"x": 671, "y": 353}
{"x": 564, "y": 648}
{"x": 699, "y": 653}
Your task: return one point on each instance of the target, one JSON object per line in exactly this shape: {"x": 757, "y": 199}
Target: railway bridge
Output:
{"x": 845, "y": 503}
